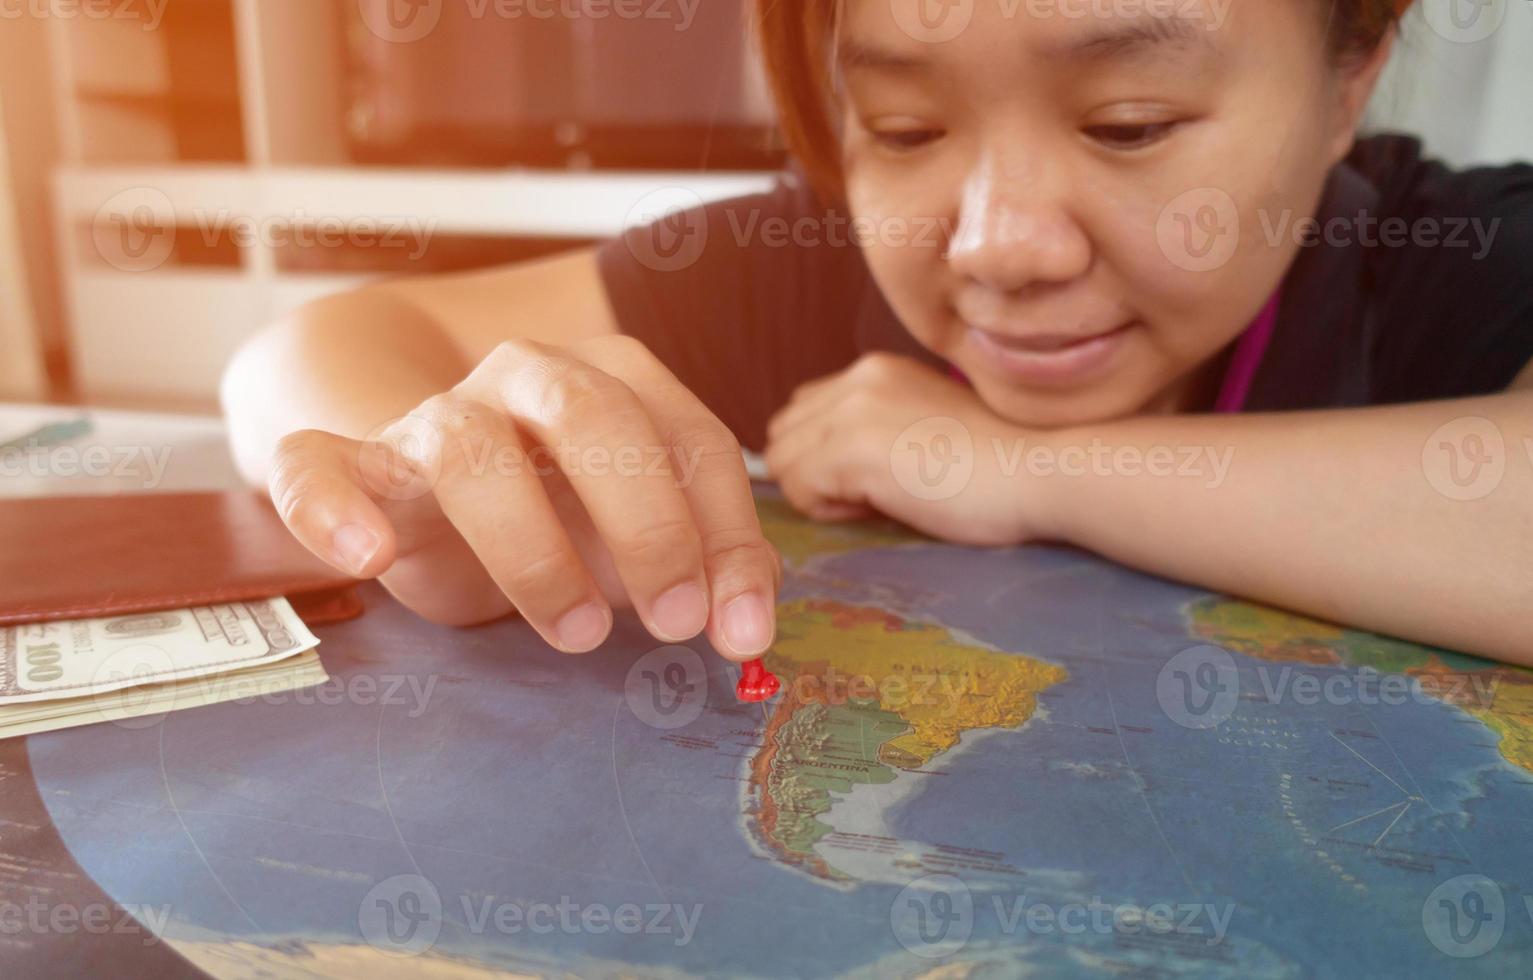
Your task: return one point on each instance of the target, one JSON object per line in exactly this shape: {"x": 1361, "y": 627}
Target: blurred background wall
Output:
{"x": 1462, "y": 77}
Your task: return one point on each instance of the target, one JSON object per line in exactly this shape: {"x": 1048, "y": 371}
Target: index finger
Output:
{"x": 743, "y": 568}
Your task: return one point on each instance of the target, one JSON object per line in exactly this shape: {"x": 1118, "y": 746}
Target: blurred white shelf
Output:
{"x": 551, "y": 204}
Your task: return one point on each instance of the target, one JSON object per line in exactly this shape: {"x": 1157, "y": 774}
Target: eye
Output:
{"x": 1130, "y": 136}
{"x": 905, "y": 140}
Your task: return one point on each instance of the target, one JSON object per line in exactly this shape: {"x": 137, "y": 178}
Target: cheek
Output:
{"x": 1199, "y": 251}
{"x": 903, "y": 233}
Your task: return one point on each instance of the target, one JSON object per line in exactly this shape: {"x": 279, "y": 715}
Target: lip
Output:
{"x": 1059, "y": 363}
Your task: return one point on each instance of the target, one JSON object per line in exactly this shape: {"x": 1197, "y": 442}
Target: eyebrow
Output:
{"x": 1134, "y": 36}
{"x": 1111, "y": 41}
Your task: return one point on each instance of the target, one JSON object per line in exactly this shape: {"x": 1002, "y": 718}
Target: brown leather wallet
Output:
{"x": 83, "y": 557}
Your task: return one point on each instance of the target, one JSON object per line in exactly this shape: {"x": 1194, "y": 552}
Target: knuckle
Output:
{"x": 294, "y": 466}
{"x": 704, "y": 439}
{"x": 624, "y": 346}
{"x": 741, "y": 547}
{"x": 803, "y": 388}
{"x": 291, "y": 492}
{"x": 862, "y": 402}
{"x": 452, "y": 414}
{"x": 661, "y": 541}
{"x": 580, "y": 394}
{"x": 515, "y": 350}
{"x": 709, "y": 461}
{"x": 718, "y": 439}
{"x": 299, "y": 447}
{"x": 537, "y": 573}
{"x": 876, "y": 366}
{"x": 463, "y": 429}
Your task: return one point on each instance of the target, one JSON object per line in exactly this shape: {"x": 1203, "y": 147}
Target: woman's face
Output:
{"x": 1080, "y": 202}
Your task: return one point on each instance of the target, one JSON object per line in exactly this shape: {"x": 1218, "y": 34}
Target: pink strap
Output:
{"x": 1249, "y": 351}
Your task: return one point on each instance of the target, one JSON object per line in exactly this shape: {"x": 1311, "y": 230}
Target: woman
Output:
{"x": 1120, "y": 275}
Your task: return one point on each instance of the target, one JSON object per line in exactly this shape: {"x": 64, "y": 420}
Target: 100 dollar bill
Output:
{"x": 72, "y": 659}
{"x": 147, "y": 705}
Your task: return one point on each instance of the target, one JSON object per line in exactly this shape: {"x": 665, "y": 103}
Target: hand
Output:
{"x": 555, "y": 482}
{"x": 890, "y": 434}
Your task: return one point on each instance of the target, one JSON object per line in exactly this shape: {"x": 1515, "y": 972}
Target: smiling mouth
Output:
{"x": 1046, "y": 343}
{"x": 1049, "y": 360}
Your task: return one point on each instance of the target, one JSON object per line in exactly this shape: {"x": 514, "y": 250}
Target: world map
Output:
{"x": 981, "y": 763}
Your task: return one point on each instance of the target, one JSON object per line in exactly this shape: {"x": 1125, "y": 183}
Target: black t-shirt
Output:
{"x": 1429, "y": 296}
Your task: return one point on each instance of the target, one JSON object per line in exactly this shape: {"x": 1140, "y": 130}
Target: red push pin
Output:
{"x": 756, "y": 682}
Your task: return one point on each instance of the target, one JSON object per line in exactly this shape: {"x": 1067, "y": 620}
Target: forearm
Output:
{"x": 345, "y": 364}
{"x": 350, "y": 362}
{"x": 1336, "y": 514}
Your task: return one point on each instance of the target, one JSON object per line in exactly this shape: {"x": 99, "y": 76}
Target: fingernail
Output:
{"x": 583, "y": 630}
{"x": 355, "y": 545}
{"x": 681, "y": 613}
{"x": 748, "y": 625}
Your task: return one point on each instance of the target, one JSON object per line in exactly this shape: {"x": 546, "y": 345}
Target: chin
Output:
{"x": 1049, "y": 410}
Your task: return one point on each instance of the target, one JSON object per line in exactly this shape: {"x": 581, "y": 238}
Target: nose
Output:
{"x": 1015, "y": 230}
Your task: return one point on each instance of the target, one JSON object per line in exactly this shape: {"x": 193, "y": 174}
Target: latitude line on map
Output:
{"x": 1370, "y": 765}
{"x": 1112, "y": 709}
{"x": 388, "y": 806}
{"x": 1391, "y": 825}
{"x": 1447, "y": 829}
{"x": 1405, "y": 803}
{"x": 174, "y": 808}
{"x": 622, "y": 808}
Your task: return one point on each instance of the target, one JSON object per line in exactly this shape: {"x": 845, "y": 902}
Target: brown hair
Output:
{"x": 795, "y": 45}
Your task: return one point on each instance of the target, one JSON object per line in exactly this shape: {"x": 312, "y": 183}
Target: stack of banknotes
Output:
{"x": 134, "y": 669}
